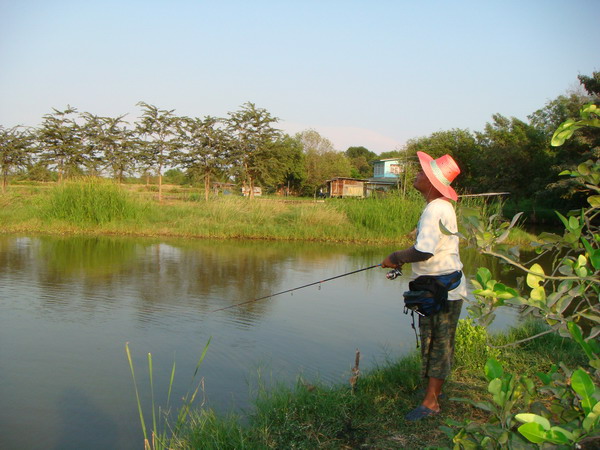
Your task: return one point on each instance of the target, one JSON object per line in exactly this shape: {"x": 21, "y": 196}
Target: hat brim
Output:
{"x": 446, "y": 191}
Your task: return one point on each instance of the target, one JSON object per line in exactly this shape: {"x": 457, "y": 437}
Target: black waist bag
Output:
{"x": 428, "y": 294}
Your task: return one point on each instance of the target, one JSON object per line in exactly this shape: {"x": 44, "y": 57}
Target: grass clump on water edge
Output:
{"x": 91, "y": 201}
{"x": 388, "y": 215}
{"x": 370, "y": 414}
{"x": 164, "y": 435}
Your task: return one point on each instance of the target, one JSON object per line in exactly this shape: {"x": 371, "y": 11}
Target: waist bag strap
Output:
{"x": 451, "y": 281}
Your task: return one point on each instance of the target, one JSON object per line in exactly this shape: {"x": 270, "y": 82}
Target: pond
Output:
{"x": 69, "y": 305}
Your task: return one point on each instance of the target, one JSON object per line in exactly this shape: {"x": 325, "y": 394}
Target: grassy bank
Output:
{"x": 371, "y": 415}
{"x": 101, "y": 207}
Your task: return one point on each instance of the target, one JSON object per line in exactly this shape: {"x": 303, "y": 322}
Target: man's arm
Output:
{"x": 409, "y": 255}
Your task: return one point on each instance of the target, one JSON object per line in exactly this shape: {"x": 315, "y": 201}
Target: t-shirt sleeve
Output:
{"x": 428, "y": 232}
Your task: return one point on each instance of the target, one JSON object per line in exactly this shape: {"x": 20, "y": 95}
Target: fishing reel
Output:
{"x": 393, "y": 274}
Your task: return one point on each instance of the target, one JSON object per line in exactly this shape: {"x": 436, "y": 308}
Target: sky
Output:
{"x": 362, "y": 73}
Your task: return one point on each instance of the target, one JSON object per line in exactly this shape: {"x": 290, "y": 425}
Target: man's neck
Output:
{"x": 431, "y": 195}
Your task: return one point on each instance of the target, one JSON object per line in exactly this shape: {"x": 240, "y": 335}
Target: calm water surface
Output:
{"x": 69, "y": 305}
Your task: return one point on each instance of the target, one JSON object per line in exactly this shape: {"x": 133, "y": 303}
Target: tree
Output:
{"x": 361, "y": 160}
{"x": 583, "y": 146}
{"x": 158, "y": 131}
{"x": 292, "y": 171}
{"x": 591, "y": 84}
{"x": 392, "y": 154}
{"x": 322, "y": 162}
{"x": 253, "y": 153}
{"x": 14, "y": 151}
{"x": 60, "y": 142}
{"x": 112, "y": 141}
{"x": 206, "y": 146}
{"x": 564, "y": 295}
{"x": 513, "y": 158}
{"x": 458, "y": 143}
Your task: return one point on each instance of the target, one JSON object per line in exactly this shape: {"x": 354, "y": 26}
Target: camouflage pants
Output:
{"x": 437, "y": 341}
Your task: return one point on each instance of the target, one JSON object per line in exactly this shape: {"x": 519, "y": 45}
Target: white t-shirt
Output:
{"x": 444, "y": 248}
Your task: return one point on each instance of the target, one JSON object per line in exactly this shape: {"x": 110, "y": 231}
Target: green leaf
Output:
{"x": 573, "y": 223}
{"x": 493, "y": 369}
{"x": 535, "y": 279}
{"x": 533, "y": 432}
{"x": 538, "y": 294}
{"x": 495, "y": 386}
{"x": 582, "y": 383}
{"x": 577, "y": 335}
{"x": 593, "y": 253}
{"x": 583, "y": 169}
{"x": 483, "y": 276}
{"x": 545, "y": 378}
{"x": 563, "y": 219}
{"x": 594, "y": 201}
{"x": 528, "y": 418}
{"x": 559, "y": 435}
{"x": 592, "y": 419}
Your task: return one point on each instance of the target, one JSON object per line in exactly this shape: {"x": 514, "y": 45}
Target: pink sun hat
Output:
{"x": 441, "y": 172}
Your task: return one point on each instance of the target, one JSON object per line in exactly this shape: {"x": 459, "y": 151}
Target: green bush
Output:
{"x": 472, "y": 349}
{"x": 91, "y": 200}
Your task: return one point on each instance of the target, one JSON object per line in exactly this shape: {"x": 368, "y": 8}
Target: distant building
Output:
{"x": 246, "y": 191}
{"x": 345, "y": 187}
{"x": 389, "y": 168}
{"x": 386, "y": 175}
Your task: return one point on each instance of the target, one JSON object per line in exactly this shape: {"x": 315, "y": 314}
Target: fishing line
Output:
{"x": 296, "y": 288}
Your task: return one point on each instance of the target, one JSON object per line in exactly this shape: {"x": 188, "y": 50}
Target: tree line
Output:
{"x": 515, "y": 156}
{"x": 244, "y": 148}
{"x": 247, "y": 149}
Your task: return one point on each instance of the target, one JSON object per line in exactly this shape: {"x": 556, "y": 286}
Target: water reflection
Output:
{"x": 68, "y": 305}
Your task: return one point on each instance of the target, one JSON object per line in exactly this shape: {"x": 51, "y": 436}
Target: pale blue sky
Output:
{"x": 372, "y": 73}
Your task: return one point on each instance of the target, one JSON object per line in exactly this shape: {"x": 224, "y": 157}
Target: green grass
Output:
{"x": 92, "y": 206}
{"x": 100, "y": 207}
{"x": 311, "y": 416}
{"x": 91, "y": 201}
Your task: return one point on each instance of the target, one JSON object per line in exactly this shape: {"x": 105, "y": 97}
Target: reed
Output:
{"x": 370, "y": 414}
{"x": 391, "y": 215}
{"x": 91, "y": 201}
{"x": 164, "y": 431}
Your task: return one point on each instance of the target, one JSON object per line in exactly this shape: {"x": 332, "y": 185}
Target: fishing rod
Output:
{"x": 299, "y": 287}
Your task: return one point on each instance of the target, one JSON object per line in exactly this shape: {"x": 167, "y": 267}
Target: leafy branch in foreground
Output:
{"x": 563, "y": 408}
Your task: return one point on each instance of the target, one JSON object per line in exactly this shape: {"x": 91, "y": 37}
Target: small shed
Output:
{"x": 346, "y": 187}
{"x": 246, "y": 191}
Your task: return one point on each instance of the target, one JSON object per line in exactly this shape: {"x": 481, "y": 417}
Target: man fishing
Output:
{"x": 435, "y": 254}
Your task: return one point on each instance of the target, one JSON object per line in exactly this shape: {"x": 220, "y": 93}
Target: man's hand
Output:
{"x": 387, "y": 263}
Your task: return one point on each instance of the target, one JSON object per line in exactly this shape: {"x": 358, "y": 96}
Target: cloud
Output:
{"x": 344, "y": 137}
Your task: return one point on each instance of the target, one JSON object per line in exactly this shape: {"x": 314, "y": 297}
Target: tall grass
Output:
{"x": 98, "y": 206}
{"x": 162, "y": 434}
{"x": 390, "y": 215}
{"x": 91, "y": 201}
{"x": 487, "y": 206}
{"x": 370, "y": 415}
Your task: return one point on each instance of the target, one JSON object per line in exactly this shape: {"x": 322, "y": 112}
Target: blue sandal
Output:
{"x": 420, "y": 412}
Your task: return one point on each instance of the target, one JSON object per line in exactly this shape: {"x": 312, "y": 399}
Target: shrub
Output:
{"x": 91, "y": 200}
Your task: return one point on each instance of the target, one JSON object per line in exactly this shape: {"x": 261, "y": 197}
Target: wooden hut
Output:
{"x": 346, "y": 187}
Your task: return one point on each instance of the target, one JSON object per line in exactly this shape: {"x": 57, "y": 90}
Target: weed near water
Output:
{"x": 91, "y": 201}
{"x": 95, "y": 206}
{"x": 384, "y": 216}
{"x": 369, "y": 414}
{"x": 163, "y": 430}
